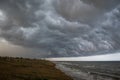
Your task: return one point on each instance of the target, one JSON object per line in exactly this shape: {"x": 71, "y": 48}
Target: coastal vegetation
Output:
{"x": 29, "y": 69}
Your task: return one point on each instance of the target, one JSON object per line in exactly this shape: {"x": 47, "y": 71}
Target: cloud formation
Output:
{"x": 60, "y": 27}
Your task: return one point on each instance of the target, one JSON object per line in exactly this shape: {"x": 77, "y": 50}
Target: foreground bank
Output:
{"x": 29, "y": 69}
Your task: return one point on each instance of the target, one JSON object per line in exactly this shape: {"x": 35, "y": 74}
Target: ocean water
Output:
{"x": 89, "y": 70}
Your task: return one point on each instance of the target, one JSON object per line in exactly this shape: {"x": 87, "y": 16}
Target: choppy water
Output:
{"x": 91, "y": 70}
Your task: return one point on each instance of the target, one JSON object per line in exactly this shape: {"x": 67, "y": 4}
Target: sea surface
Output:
{"x": 91, "y": 70}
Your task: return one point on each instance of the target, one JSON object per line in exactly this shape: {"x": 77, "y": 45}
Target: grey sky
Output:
{"x": 59, "y": 28}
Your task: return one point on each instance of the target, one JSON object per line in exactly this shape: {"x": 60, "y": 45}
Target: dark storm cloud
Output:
{"x": 60, "y": 27}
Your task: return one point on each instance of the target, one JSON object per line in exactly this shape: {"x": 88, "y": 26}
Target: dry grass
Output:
{"x": 29, "y": 69}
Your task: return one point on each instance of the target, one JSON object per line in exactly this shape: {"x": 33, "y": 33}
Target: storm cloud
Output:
{"x": 60, "y": 28}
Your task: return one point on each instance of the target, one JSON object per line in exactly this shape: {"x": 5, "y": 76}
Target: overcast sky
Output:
{"x": 59, "y": 28}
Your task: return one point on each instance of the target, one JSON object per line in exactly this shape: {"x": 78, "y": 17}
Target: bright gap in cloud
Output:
{"x": 107, "y": 57}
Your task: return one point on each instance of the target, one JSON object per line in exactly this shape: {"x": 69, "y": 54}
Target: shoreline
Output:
{"x": 67, "y": 71}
